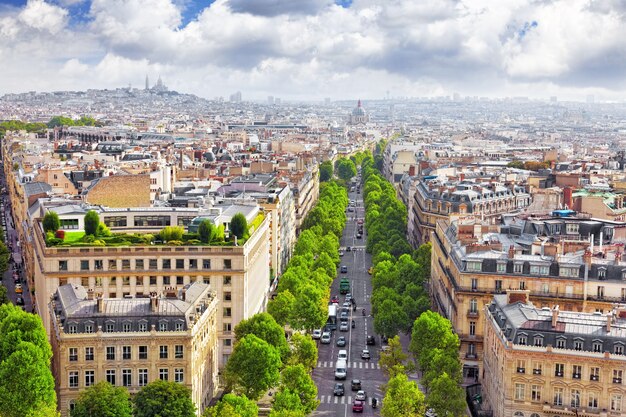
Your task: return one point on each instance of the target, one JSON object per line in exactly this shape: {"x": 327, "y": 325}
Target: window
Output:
{"x": 575, "y": 398}
{"x": 180, "y": 264}
{"x": 127, "y": 379}
{"x": 178, "y": 351}
{"x": 472, "y": 328}
{"x": 474, "y": 284}
{"x": 517, "y": 268}
{"x": 179, "y": 327}
{"x": 228, "y": 264}
{"x": 62, "y": 265}
{"x": 110, "y": 353}
{"x": 126, "y": 327}
{"x": 501, "y": 267}
{"x": 559, "y": 369}
{"x": 153, "y": 264}
{"x": 126, "y": 352}
{"x": 571, "y": 228}
{"x": 498, "y": 285}
{"x": 592, "y": 399}
{"x": 597, "y": 346}
{"x": 152, "y": 221}
{"x": 73, "y": 354}
{"x": 577, "y": 371}
{"x": 163, "y": 374}
{"x": 166, "y": 280}
{"x": 227, "y": 312}
{"x": 110, "y": 327}
{"x": 617, "y": 376}
{"x": 84, "y": 265}
{"x": 72, "y": 328}
{"x": 616, "y": 402}
{"x": 73, "y": 379}
{"x": 521, "y": 366}
{"x": 180, "y": 280}
{"x": 143, "y": 377}
{"x": 473, "y": 305}
{"x": 560, "y": 343}
{"x": 601, "y": 273}
{"x": 143, "y": 352}
{"x": 227, "y": 342}
{"x": 167, "y": 264}
{"x": 537, "y": 368}
{"x": 206, "y": 280}
{"x": 90, "y": 378}
{"x": 227, "y": 296}
{"x": 568, "y": 271}
{"x": 558, "y": 396}
{"x": 535, "y": 392}
{"x": 163, "y": 326}
{"x": 193, "y": 264}
{"x": 521, "y": 340}
{"x": 227, "y": 280}
{"x": 139, "y": 264}
{"x": 88, "y": 353}
{"x": 110, "y": 375}
{"x": 97, "y": 264}
{"x": 618, "y": 349}
{"x": 474, "y": 266}
{"x": 594, "y": 373}
{"x": 538, "y": 341}
{"x": 227, "y": 327}
{"x": 112, "y": 264}
{"x": 179, "y": 375}
{"x": 163, "y": 352}
{"x": 88, "y": 328}
{"x": 520, "y": 391}
{"x": 522, "y": 285}
{"x": 600, "y": 292}
{"x": 143, "y": 327}
{"x": 539, "y": 269}
{"x": 115, "y": 221}
{"x": 623, "y": 294}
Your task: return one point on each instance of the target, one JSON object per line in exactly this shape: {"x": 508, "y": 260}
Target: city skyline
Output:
{"x": 318, "y": 48}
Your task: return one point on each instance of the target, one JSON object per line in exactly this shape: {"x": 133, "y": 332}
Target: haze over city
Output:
{"x": 311, "y": 49}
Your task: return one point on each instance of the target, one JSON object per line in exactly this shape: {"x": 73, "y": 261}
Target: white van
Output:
{"x": 341, "y": 369}
{"x": 342, "y": 355}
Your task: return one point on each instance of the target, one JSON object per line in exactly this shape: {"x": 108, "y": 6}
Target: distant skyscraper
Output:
{"x": 236, "y": 97}
{"x": 147, "y": 82}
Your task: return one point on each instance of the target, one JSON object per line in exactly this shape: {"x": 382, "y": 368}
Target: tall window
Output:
{"x": 617, "y": 376}
{"x": 163, "y": 352}
{"x": 535, "y": 392}
{"x": 110, "y": 353}
{"x": 143, "y": 377}
{"x": 473, "y": 305}
{"x": 575, "y": 398}
{"x": 594, "y": 373}
{"x": 110, "y": 375}
{"x": 73, "y": 379}
{"x": 559, "y": 369}
{"x": 163, "y": 374}
{"x": 88, "y": 353}
{"x": 90, "y": 378}
{"x": 616, "y": 402}
{"x": 593, "y": 400}
{"x": 73, "y": 354}
{"x": 126, "y": 352}
{"x": 472, "y": 328}
{"x": 520, "y": 391}
{"x": 558, "y": 396}
{"x": 179, "y": 375}
{"x": 143, "y": 352}
{"x": 127, "y": 379}
{"x": 178, "y": 351}
{"x": 576, "y": 371}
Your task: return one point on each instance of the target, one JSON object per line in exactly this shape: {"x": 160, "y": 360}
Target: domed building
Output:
{"x": 358, "y": 116}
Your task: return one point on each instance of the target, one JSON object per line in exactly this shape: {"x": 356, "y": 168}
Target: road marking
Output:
{"x": 361, "y": 365}
{"x": 336, "y": 400}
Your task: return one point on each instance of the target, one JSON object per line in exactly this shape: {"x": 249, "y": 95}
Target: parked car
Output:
{"x": 325, "y": 338}
{"x": 341, "y": 341}
{"x": 317, "y": 333}
{"x": 334, "y": 299}
{"x": 365, "y": 354}
{"x": 371, "y": 340}
{"x": 19, "y": 301}
{"x": 348, "y": 249}
{"x": 361, "y": 395}
{"x": 355, "y": 384}
{"x": 343, "y": 327}
{"x": 344, "y": 269}
{"x": 339, "y": 389}
{"x": 18, "y": 289}
{"x": 359, "y": 236}
{"x": 349, "y": 297}
{"x": 357, "y": 406}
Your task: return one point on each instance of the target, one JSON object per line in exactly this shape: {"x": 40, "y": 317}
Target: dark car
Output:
{"x": 355, "y": 385}
{"x": 344, "y": 269}
{"x": 357, "y": 406}
{"x": 371, "y": 340}
{"x": 19, "y": 301}
{"x": 339, "y": 390}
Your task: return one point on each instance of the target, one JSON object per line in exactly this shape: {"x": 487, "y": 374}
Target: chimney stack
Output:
{"x": 555, "y": 316}
{"x": 100, "y": 303}
{"x": 587, "y": 257}
{"x": 183, "y": 294}
{"x": 90, "y": 294}
{"x": 511, "y": 252}
{"x": 609, "y": 320}
{"x": 154, "y": 302}
{"x": 618, "y": 257}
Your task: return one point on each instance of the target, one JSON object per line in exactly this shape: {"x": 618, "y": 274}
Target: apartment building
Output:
{"x": 280, "y": 208}
{"x": 131, "y": 342}
{"x": 238, "y": 274}
{"x": 547, "y": 362}
{"x": 575, "y": 262}
{"x": 488, "y": 201}
{"x": 306, "y": 191}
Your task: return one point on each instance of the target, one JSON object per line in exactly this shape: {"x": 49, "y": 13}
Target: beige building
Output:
{"x": 543, "y": 362}
{"x": 131, "y": 342}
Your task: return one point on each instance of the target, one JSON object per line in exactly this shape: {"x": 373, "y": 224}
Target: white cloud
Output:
{"x": 40, "y": 15}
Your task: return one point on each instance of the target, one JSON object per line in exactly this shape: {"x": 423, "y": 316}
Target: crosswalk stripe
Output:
{"x": 336, "y": 400}
{"x": 354, "y": 364}
{"x": 349, "y": 399}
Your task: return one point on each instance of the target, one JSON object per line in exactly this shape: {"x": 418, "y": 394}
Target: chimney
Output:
{"x": 100, "y": 302}
{"x": 90, "y": 294}
{"x": 412, "y": 170}
{"x": 461, "y": 176}
{"x": 183, "y": 294}
{"x": 609, "y": 319}
{"x": 154, "y": 302}
{"x": 511, "y": 252}
{"x": 587, "y": 257}
{"x": 555, "y": 316}
{"x": 618, "y": 257}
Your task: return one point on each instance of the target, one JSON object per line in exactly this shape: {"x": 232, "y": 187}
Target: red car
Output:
{"x": 334, "y": 299}
{"x": 357, "y": 406}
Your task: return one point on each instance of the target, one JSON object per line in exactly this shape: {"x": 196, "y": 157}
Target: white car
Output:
{"x": 342, "y": 355}
{"x": 325, "y": 338}
{"x": 343, "y": 327}
{"x": 317, "y": 333}
{"x": 361, "y": 395}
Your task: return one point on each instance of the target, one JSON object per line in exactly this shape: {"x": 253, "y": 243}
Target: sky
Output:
{"x": 312, "y": 49}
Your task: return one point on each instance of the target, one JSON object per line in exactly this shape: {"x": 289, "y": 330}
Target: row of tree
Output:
{"x": 67, "y": 121}
{"x": 399, "y": 274}
{"x": 18, "y": 125}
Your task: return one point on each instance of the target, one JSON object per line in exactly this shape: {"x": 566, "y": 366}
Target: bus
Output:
{"x": 331, "y": 323}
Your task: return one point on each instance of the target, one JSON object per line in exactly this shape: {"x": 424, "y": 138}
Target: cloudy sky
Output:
{"x": 311, "y": 49}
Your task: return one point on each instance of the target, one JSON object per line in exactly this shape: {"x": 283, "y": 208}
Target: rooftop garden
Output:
{"x": 97, "y": 233}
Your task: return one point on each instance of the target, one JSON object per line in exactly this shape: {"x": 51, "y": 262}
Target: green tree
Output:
{"x": 4, "y": 299}
{"x": 164, "y": 399}
{"x": 51, "y": 222}
{"x": 239, "y": 226}
{"x": 232, "y": 405}
{"x": 446, "y": 397}
{"x": 432, "y": 331}
{"x": 287, "y": 399}
{"x": 346, "y": 169}
{"x": 253, "y": 367}
{"x": 263, "y": 326}
{"x": 60, "y": 121}
{"x": 326, "y": 171}
{"x": 92, "y": 220}
{"x": 26, "y": 383}
{"x": 309, "y": 309}
{"x": 303, "y": 351}
{"x": 170, "y": 233}
{"x": 206, "y": 231}
{"x": 394, "y": 359}
{"x": 103, "y": 400}
{"x": 442, "y": 362}
{"x": 403, "y": 398}
{"x": 287, "y": 413}
{"x": 280, "y": 307}
{"x": 296, "y": 379}
{"x": 390, "y": 318}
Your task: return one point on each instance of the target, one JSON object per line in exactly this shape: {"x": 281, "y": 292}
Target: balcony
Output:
{"x": 594, "y": 378}
{"x": 521, "y": 370}
{"x": 471, "y": 355}
{"x": 617, "y": 380}
{"x": 559, "y": 374}
{"x": 536, "y": 371}
{"x": 471, "y": 314}
{"x": 575, "y": 376}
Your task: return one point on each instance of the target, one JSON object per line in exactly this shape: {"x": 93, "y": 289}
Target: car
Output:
{"x": 342, "y": 355}
{"x": 357, "y": 406}
{"x": 341, "y": 253}
{"x": 317, "y": 333}
{"x": 19, "y": 301}
{"x": 430, "y": 413}
{"x": 371, "y": 340}
{"x": 355, "y": 384}
{"x": 352, "y": 202}
{"x": 365, "y": 354}
{"x": 351, "y": 209}
{"x": 349, "y": 297}
{"x": 346, "y": 304}
{"x": 343, "y": 327}
{"x": 361, "y": 395}
{"x": 16, "y": 278}
{"x": 334, "y": 299}
{"x": 359, "y": 236}
{"x": 344, "y": 315}
{"x": 341, "y": 341}
{"x": 348, "y": 249}
{"x": 385, "y": 348}
{"x": 339, "y": 390}
{"x": 384, "y": 339}
{"x": 18, "y": 289}
{"x": 325, "y": 339}
{"x": 344, "y": 269}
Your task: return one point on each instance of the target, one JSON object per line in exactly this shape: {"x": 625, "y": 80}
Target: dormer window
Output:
{"x": 501, "y": 267}
{"x": 624, "y": 274}
{"x": 517, "y": 268}
{"x": 578, "y": 345}
{"x": 474, "y": 266}
{"x": 560, "y": 343}
{"x": 538, "y": 341}
{"x": 568, "y": 271}
{"x": 571, "y": 228}
{"x": 618, "y": 349}
{"x": 602, "y": 273}
{"x": 521, "y": 340}
{"x": 539, "y": 270}
{"x": 597, "y": 347}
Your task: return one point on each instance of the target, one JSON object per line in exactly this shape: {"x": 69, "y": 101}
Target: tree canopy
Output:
{"x": 51, "y": 222}
{"x": 206, "y": 231}
{"x": 103, "y": 400}
{"x": 164, "y": 399}
{"x": 264, "y": 327}
{"x": 239, "y": 226}
{"x": 232, "y": 405}
{"x": 92, "y": 220}
{"x": 403, "y": 398}
{"x": 326, "y": 171}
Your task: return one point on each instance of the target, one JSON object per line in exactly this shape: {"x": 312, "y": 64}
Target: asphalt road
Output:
{"x": 368, "y": 371}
